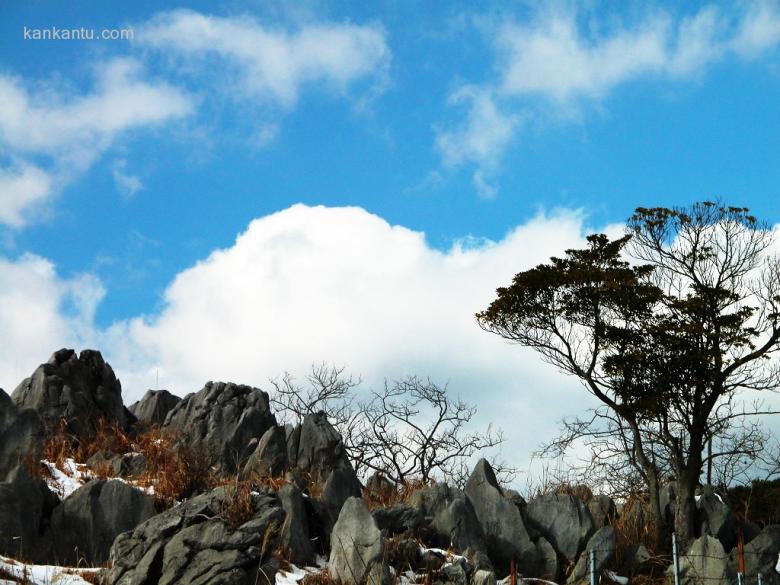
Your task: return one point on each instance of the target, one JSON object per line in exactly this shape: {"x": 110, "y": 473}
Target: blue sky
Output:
{"x": 472, "y": 140}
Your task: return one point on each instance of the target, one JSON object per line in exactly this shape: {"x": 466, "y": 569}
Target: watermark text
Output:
{"x": 54, "y": 33}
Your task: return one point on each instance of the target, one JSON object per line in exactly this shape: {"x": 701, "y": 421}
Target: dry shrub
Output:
{"x": 176, "y": 472}
{"x": 633, "y": 528}
{"x": 401, "y": 494}
{"x": 319, "y": 578}
{"x": 238, "y": 506}
{"x": 579, "y": 491}
{"x": 60, "y": 444}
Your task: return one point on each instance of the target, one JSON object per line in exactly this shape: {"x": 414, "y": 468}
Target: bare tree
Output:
{"x": 412, "y": 430}
{"x": 329, "y": 389}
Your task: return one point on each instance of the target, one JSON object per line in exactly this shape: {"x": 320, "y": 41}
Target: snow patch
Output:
{"x": 44, "y": 574}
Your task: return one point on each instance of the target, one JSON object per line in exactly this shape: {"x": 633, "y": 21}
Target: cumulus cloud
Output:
{"x": 340, "y": 285}
{"x": 269, "y": 63}
{"x": 564, "y": 57}
{"x": 40, "y": 311}
{"x": 65, "y": 132}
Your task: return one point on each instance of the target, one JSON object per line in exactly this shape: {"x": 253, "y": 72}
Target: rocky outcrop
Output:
{"x": 193, "y": 543}
{"x": 315, "y": 448}
{"x": 295, "y": 535}
{"x": 563, "y": 520}
{"x": 603, "y": 510}
{"x": 450, "y": 519}
{"x": 270, "y": 456}
{"x": 398, "y": 519}
{"x": 221, "y": 421}
{"x": 81, "y": 390}
{"x": 602, "y": 545}
{"x": 25, "y": 507}
{"x": 704, "y": 562}
{"x": 761, "y": 556}
{"x": 357, "y": 547}
{"x": 716, "y": 519}
{"x": 88, "y": 521}
{"x": 154, "y": 406}
{"x": 21, "y": 435}
{"x": 505, "y": 533}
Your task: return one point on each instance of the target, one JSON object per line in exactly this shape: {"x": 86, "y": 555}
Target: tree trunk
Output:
{"x": 685, "y": 508}
{"x": 656, "y": 521}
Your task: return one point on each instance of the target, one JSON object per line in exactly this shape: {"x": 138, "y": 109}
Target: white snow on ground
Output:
{"x": 296, "y": 574}
{"x": 44, "y": 574}
{"x": 64, "y": 482}
{"x": 72, "y": 476}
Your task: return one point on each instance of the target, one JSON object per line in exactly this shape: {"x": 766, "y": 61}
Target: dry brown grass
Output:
{"x": 399, "y": 495}
{"x": 61, "y": 444}
{"x": 176, "y": 472}
{"x": 238, "y": 506}
{"x": 319, "y": 578}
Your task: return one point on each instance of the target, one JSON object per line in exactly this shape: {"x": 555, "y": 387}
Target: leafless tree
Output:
{"x": 328, "y": 389}
{"x": 412, "y": 430}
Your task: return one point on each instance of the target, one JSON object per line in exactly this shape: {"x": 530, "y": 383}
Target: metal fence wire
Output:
{"x": 687, "y": 572}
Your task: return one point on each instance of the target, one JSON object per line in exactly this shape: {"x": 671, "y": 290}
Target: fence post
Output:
{"x": 593, "y": 567}
{"x": 739, "y": 579}
{"x": 676, "y": 560}
{"x": 759, "y": 579}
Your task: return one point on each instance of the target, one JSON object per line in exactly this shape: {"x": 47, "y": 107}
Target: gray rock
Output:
{"x": 761, "y": 556}
{"x": 450, "y": 518}
{"x": 81, "y": 390}
{"x": 127, "y": 465}
{"x": 398, "y": 519}
{"x": 501, "y": 522}
{"x": 154, "y": 406}
{"x": 704, "y": 563}
{"x": 482, "y": 577}
{"x": 636, "y": 559}
{"x": 357, "y": 547}
{"x": 563, "y": 520}
{"x": 602, "y": 544}
{"x": 192, "y": 543}
{"x": 295, "y": 535}
{"x": 667, "y": 499}
{"x": 88, "y": 521}
{"x": 602, "y": 509}
{"x": 549, "y": 567}
{"x": 25, "y": 507}
{"x": 715, "y": 518}
{"x": 21, "y": 435}
{"x": 340, "y": 485}
{"x": 455, "y": 574}
{"x": 320, "y": 449}
{"x": 270, "y": 456}
{"x": 221, "y": 420}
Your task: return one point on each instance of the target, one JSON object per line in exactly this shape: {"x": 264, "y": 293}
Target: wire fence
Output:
{"x": 683, "y": 569}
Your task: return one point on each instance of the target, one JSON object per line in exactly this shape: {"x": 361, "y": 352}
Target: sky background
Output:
{"x": 248, "y": 189}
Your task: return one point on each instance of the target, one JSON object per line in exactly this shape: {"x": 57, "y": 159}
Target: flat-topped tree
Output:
{"x": 664, "y": 326}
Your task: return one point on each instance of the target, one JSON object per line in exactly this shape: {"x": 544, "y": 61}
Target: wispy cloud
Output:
{"x": 127, "y": 184}
{"x": 270, "y": 63}
{"x": 52, "y": 135}
{"x": 565, "y": 58}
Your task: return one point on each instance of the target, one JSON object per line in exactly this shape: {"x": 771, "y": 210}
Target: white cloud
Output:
{"x": 480, "y": 139}
{"x": 564, "y": 57}
{"x": 41, "y": 312}
{"x": 269, "y": 63}
{"x": 341, "y": 285}
{"x": 22, "y": 188}
{"x": 126, "y": 183}
{"x": 69, "y": 130}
